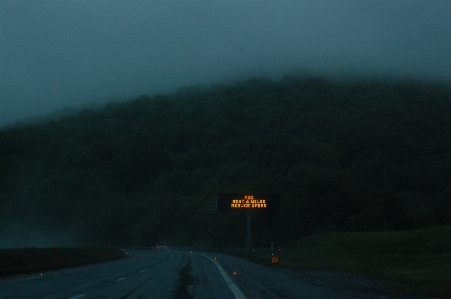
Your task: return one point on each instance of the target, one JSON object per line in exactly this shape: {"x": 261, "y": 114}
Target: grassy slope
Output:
{"x": 418, "y": 260}
{"x": 14, "y": 261}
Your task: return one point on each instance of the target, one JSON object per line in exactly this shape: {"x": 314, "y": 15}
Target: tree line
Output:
{"x": 349, "y": 155}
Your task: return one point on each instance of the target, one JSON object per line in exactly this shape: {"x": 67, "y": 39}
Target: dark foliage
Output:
{"x": 355, "y": 155}
{"x": 24, "y": 260}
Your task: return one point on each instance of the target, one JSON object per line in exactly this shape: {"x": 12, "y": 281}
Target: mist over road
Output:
{"x": 157, "y": 274}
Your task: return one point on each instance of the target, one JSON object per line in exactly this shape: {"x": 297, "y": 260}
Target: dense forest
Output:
{"x": 353, "y": 155}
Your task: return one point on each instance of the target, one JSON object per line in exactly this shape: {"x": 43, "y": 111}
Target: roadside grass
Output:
{"x": 413, "y": 260}
{"x": 26, "y": 260}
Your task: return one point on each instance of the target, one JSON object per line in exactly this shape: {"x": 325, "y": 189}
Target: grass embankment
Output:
{"x": 25, "y": 260}
{"x": 414, "y": 260}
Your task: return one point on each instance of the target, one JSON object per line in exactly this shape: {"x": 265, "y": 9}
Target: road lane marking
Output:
{"x": 120, "y": 279}
{"x": 77, "y": 296}
{"x": 233, "y": 287}
{"x": 14, "y": 280}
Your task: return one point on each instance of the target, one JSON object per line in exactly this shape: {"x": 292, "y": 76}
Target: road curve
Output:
{"x": 143, "y": 274}
{"x": 156, "y": 274}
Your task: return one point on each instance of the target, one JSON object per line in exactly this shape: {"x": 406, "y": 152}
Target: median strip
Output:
{"x": 185, "y": 280}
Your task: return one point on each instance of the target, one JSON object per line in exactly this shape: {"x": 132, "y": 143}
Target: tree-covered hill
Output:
{"x": 351, "y": 155}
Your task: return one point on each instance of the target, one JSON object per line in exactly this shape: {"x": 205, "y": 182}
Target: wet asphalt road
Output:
{"x": 155, "y": 274}
{"x": 143, "y": 274}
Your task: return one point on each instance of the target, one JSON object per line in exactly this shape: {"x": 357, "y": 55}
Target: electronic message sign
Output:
{"x": 248, "y": 201}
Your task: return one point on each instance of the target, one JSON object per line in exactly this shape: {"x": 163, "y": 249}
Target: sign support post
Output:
{"x": 248, "y": 231}
{"x": 246, "y": 202}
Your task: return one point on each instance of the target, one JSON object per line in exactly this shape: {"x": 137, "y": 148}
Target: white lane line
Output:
{"x": 235, "y": 290}
{"x": 120, "y": 279}
{"x": 77, "y": 296}
{"x": 143, "y": 270}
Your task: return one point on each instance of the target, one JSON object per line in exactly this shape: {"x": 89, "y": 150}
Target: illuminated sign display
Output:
{"x": 253, "y": 201}
{"x": 248, "y": 202}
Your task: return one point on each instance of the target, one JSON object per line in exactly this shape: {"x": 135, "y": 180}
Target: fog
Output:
{"x": 22, "y": 234}
{"x": 56, "y": 54}
{"x": 26, "y": 223}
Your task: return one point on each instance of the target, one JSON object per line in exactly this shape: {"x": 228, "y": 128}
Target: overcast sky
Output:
{"x": 57, "y": 54}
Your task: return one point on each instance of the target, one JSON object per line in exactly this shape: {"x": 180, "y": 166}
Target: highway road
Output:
{"x": 184, "y": 275}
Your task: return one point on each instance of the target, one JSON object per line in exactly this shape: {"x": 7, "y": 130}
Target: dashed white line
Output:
{"x": 120, "y": 279}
